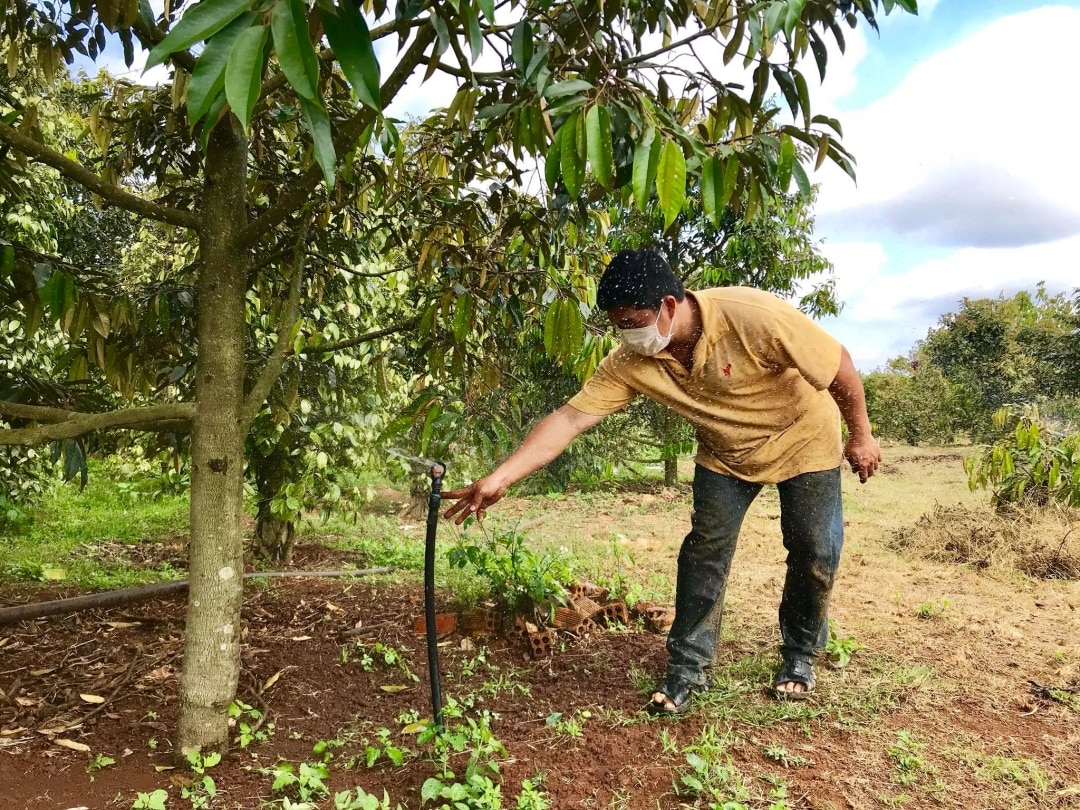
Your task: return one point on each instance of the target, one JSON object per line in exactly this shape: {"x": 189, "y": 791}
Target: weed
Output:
{"x": 932, "y": 609}
{"x": 202, "y": 790}
{"x": 307, "y": 783}
{"x": 361, "y": 800}
{"x": 777, "y": 753}
{"x": 840, "y": 649}
{"x": 150, "y": 801}
{"x": 463, "y": 735}
{"x": 383, "y": 747}
{"x": 712, "y": 776}
{"x": 569, "y": 727}
{"x": 247, "y": 721}
{"x": 152, "y": 743}
{"x": 99, "y": 762}
{"x": 369, "y": 657}
{"x": 1023, "y": 773}
{"x": 505, "y": 683}
{"x": 532, "y": 796}
{"x": 906, "y": 752}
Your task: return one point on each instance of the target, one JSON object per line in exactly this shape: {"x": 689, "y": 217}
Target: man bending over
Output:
{"x": 764, "y": 387}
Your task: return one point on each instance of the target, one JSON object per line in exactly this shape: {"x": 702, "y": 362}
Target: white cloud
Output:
{"x": 886, "y": 311}
{"x": 988, "y": 101}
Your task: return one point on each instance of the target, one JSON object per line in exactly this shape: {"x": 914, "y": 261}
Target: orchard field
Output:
{"x": 961, "y": 688}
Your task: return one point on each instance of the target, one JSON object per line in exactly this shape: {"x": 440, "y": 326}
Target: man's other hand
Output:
{"x": 474, "y": 499}
{"x": 864, "y": 456}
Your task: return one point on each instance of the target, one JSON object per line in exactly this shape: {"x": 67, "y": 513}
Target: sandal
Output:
{"x": 681, "y": 694}
{"x": 795, "y": 669}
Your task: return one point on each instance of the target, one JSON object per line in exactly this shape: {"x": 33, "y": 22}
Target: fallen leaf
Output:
{"x": 393, "y": 688}
{"x": 52, "y": 732}
{"x": 74, "y": 746}
{"x": 10, "y": 732}
{"x": 4, "y": 640}
{"x": 37, "y": 673}
{"x": 92, "y": 698}
{"x": 53, "y": 573}
{"x": 332, "y": 606}
{"x": 122, "y": 625}
{"x": 414, "y": 728}
{"x": 80, "y": 807}
{"x": 271, "y": 681}
{"x": 160, "y": 768}
{"x": 301, "y": 638}
{"x": 27, "y": 701}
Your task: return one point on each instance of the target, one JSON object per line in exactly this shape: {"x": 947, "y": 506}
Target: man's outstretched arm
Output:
{"x": 861, "y": 451}
{"x": 543, "y": 445}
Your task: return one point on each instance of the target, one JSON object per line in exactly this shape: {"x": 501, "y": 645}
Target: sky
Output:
{"x": 960, "y": 122}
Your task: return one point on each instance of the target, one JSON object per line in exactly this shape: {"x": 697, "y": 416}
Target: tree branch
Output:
{"x": 147, "y": 418}
{"x": 341, "y": 266}
{"x": 300, "y": 189}
{"x": 38, "y": 413}
{"x": 276, "y": 362}
{"x": 348, "y": 343}
{"x": 86, "y": 178}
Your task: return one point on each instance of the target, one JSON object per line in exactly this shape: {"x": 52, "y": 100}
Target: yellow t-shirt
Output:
{"x": 756, "y": 395}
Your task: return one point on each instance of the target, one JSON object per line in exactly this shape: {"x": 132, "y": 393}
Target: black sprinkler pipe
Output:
{"x": 437, "y": 472}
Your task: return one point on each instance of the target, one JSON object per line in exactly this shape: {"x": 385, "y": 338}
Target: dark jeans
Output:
{"x": 812, "y": 523}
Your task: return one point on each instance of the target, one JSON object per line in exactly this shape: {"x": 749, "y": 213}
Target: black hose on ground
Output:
{"x": 437, "y": 473}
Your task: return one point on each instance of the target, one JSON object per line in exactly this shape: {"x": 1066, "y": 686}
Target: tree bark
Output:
{"x": 211, "y": 667}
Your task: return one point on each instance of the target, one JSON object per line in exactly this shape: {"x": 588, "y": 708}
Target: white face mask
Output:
{"x": 647, "y": 340}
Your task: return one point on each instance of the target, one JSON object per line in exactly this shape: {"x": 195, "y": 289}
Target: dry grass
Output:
{"x": 1041, "y": 542}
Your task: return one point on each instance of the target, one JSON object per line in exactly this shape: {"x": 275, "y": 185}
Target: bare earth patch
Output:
{"x": 960, "y": 695}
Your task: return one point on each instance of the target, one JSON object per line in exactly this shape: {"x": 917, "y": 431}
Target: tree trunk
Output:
{"x": 211, "y": 667}
{"x": 274, "y": 538}
{"x": 671, "y": 472}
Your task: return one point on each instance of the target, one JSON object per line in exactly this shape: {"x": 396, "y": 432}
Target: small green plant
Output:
{"x": 99, "y": 762}
{"x": 840, "y": 649}
{"x": 362, "y": 800}
{"x": 381, "y": 747}
{"x": 306, "y": 783}
{"x": 932, "y": 609}
{"x": 505, "y": 683}
{"x": 569, "y": 727}
{"x": 777, "y": 753}
{"x": 463, "y": 734}
{"x": 1029, "y": 464}
{"x": 906, "y": 752}
{"x": 152, "y": 743}
{"x": 531, "y": 796}
{"x": 154, "y": 800}
{"x": 529, "y": 584}
{"x": 378, "y": 654}
{"x": 711, "y": 776}
{"x": 202, "y": 789}
{"x": 248, "y": 723}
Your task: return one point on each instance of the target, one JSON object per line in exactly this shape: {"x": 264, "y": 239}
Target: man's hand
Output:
{"x": 474, "y": 499}
{"x": 863, "y": 454}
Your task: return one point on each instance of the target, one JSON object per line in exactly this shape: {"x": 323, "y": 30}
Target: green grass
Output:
{"x": 66, "y": 529}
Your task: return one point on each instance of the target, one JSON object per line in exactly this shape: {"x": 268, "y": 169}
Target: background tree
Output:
{"x": 243, "y": 149}
{"x": 911, "y": 401}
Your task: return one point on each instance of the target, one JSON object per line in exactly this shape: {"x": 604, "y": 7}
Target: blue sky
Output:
{"x": 961, "y": 123}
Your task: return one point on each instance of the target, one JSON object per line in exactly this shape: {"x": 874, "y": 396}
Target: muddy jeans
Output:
{"x": 812, "y": 523}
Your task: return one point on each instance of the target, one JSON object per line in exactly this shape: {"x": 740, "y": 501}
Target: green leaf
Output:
{"x": 488, "y": 7}
{"x": 243, "y": 75}
{"x": 208, "y": 77}
{"x": 294, "y": 51}
{"x": 200, "y": 22}
{"x": 567, "y": 88}
{"x": 349, "y": 36}
{"x": 712, "y": 184}
{"x": 785, "y": 162}
{"x": 463, "y": 317}
{"x": 552, "y": 163}
{"x": 319, "y": 123}
{"x": 598, "y": 133}
{"x": 571, "y": 161}
{"x": 801, "y": 180}
{"x": 646, "y": 158}
{"x": 671, "y": 181}
{"x": 521, "y": 45}
{"x": 472, "y": 33}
